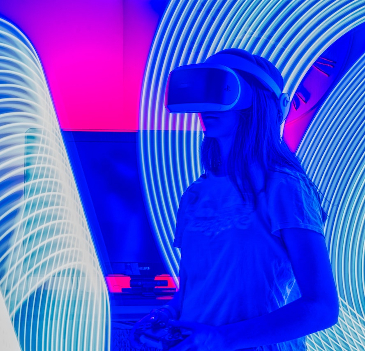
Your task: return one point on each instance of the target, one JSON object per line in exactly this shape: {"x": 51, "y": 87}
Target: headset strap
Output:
{"x": 240, "y": 63}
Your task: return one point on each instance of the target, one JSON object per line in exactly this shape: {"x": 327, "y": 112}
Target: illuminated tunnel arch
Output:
{"x": 333, "y": 155}
{"x": 50, "y": 277}
{"x": 291, "y": 34}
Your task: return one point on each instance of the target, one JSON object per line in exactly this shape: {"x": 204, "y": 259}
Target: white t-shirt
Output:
{"x": 235, "y": 262}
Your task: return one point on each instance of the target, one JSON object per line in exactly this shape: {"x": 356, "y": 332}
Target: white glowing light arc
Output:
{"x": 51, "y": 281}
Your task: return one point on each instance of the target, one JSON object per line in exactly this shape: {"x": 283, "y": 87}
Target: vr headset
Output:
{"x": 218, "y": 85}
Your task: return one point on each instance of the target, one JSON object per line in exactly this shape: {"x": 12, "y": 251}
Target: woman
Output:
{"x": 254, "y": 271}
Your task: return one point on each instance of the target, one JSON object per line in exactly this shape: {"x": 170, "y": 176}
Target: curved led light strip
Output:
{"x": 191, "y": 31}
{"x": 50, "y": 276}
{"x": 333, "y": 153}
{"x": 290, "y": 34}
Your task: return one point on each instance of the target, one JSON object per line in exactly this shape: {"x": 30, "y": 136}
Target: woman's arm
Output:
{"x": 176, "y": 301}
{"x": 175, "y": 304}
{"x": 317, "y": 309}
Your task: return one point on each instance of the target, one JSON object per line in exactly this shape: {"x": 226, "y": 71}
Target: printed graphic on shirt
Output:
{"x": 210, "y": 217}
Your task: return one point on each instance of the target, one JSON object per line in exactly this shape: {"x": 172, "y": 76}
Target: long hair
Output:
{"x": 257, "y": 138}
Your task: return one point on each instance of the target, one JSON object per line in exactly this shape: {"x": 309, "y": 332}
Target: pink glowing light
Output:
{"x": 93, "y": 53}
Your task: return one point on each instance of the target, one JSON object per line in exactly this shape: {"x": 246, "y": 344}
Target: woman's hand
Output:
{"x": 203, "y": 337}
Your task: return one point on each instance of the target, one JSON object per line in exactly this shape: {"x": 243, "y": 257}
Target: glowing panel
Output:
{"x": 116, "y": 282}
{"x": 292, "y": 35}
{"x": 50, "y": 276}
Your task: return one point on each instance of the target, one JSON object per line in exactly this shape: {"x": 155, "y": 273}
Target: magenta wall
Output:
{"x": 93, "y": 53}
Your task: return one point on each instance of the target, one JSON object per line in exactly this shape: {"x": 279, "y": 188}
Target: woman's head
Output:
{"x": 255, "y": 132}
{"x": 254, "y": 129}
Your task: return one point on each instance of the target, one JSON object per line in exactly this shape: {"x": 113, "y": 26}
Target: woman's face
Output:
{"x": 219, "y": 124}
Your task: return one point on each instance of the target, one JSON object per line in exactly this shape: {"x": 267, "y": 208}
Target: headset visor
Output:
{"x": 202, "y": 87}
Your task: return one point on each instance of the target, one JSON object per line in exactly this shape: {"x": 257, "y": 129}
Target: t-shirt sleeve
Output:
{"x": 293, "y": 203}
{"x": 180, "y": 222}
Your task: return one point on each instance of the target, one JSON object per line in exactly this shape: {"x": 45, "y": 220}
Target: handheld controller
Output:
{"x": 153, "y": 330}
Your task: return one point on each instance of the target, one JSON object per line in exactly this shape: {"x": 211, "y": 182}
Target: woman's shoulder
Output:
{"x": 291, "y": 179}
{"x": 191, "y": 194}
{"x": 195, "y": 186}
{"x": 285, "y": 176}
